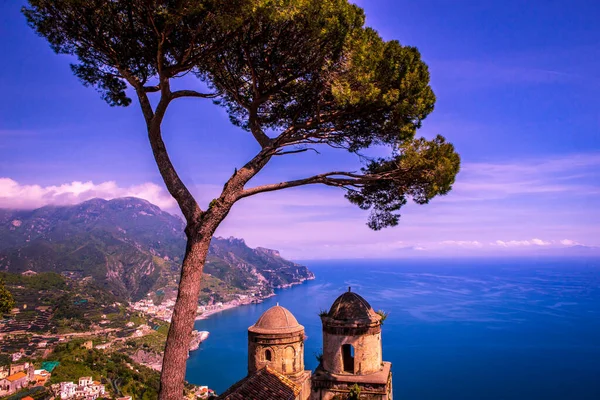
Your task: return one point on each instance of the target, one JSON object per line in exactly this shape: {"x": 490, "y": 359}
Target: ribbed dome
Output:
{"x": 276, "y": 319}
{"x": 350, "y": 307}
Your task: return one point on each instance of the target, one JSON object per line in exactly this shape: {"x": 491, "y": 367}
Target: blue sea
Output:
{"x": 457, "y": 329}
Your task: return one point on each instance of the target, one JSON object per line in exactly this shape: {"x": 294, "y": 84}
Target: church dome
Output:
{"x": 276, "y": 319}
{"x": 352, "y": 307}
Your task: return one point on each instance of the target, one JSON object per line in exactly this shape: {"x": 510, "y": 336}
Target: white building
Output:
{"x": 86, "y": 381}
{"x": 87, "y": 389}
{"x": 67, "y": 390}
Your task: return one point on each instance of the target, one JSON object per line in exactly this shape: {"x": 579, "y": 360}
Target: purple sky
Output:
{"x": 516, "y": 83}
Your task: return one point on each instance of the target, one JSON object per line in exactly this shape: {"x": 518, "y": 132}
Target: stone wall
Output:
{"x": 367, "y": 353}
{"x": 287, "y": 352}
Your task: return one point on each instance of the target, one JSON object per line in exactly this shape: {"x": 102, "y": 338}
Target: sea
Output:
{"x": 481, "y": 329}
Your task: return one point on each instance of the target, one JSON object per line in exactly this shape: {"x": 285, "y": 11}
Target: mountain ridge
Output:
{"x": 132, "y": 247}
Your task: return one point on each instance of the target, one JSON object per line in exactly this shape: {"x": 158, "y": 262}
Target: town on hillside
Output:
{"x": 69, "y": 340}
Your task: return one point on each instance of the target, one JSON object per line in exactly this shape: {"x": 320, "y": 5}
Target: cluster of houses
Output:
{"x": 85, "y": 389}
{"x": 20, "y": 376}
{"x": 201, "y": 392}
{"x": 164, "y": 311}
{"x": 212, "y": 307}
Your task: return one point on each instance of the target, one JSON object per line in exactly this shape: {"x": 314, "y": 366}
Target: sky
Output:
{"x": 517, "y": 87}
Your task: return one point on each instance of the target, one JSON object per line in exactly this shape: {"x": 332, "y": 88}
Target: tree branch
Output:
{"x": 255, "y": 128}
{"x": 282, "y": 153}
{"x": 328, "y": 178}
{"x": 193, "y": 93}
{"x": 188, "y": 205}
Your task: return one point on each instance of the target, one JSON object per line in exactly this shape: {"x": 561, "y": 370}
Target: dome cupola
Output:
{"x": 351, "y": 307}
{"x": 276, "y": 340}
{"x": 276, "y": 319}
{"x": 351, "y": 337}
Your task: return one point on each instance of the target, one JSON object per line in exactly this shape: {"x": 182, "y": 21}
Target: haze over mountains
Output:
{"x": 130, "y": 247}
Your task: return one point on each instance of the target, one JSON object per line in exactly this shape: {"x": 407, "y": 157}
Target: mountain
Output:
{"x": 131, "y": 247}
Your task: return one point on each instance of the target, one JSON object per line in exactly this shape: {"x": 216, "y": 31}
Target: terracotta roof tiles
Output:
{"x": 264, "y": 384}
{"x": 16, "y": 377}
{"x": 276, "y": 319}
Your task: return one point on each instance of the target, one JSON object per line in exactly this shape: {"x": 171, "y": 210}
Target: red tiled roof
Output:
{"x": 16, "y": 377}
{"x": 264, "y": 384}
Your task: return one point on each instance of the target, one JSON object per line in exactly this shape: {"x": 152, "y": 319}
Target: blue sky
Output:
{"x": 517, "y": 84}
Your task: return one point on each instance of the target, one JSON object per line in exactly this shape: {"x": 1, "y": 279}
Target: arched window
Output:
{"x": 268, "y": 355}
{"x": 289, "y": 360}
{"x": 348, "y": 358}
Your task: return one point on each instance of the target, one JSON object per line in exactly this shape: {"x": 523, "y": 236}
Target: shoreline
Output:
{"x": 227, "y": 306}
{"x": 207, "y": 314}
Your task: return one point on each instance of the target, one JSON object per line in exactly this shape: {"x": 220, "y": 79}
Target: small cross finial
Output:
{"x": 277, "y": 304}
{"x": 349, "y": 288}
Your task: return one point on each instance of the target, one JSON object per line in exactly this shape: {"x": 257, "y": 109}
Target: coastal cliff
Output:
{"x": 132, "y": 248}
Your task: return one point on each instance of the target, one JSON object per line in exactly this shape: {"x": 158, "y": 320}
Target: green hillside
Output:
{"x": 130, "y": 247}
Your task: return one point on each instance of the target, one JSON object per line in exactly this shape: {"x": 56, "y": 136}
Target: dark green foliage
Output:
{"x": 383, "y": 315}
{"x": 319, "y": 357}
{"x": 354, "y": 392}
{"x": 5, "y": 360}
{"x": 73, "y": 305}
{"x": 140, "y": 382}
{"x": 7, "y": 302}
{"x": 44, "y": 281}
{"x": 421, "y": 169}
{"x": 109, "y": 37}
{"x": 297, "y": 74}
{"x": 37, "y": 393}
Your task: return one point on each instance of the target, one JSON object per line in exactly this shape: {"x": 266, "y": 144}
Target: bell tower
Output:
{"x": 352, "y": 352}
{"x": 276, "y": 341}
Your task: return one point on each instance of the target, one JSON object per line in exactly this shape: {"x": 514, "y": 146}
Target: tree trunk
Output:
{"x": 184, "y": 314}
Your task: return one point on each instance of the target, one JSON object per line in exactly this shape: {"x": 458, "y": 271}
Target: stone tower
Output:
{"x": 352, "y": 354}
{"x": 276, "y": 340}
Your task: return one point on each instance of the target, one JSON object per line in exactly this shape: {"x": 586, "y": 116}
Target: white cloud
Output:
{"x": 540, "y": 242}
{"x": 521, "y": 243}
{"x": 15, "y": 195}
{"x": 316, "y": 222}
{"x": 569, "y": 242}
{"x": 512, "y": 243}
{"x": 462, "y": 243}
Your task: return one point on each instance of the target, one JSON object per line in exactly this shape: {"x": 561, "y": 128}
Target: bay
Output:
{"x": 457, "y": 329}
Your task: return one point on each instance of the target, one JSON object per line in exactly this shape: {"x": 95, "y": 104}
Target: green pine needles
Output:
{"x": 383, "y": 315}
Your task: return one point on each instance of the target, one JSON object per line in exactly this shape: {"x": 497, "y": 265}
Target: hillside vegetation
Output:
{"x": 130, "y": 247}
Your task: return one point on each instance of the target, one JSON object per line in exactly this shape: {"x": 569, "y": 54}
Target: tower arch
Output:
{"x": 352, "y": 337}
{"x": 352, "y": 352}
{"x": 276, "y": 340}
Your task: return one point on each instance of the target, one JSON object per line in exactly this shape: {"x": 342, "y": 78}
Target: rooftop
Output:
{"x": 352, "y": 307}
{"x": 16, "y": 377}
{"x": 264, "y": 384}
{"x": 276, "y": 319}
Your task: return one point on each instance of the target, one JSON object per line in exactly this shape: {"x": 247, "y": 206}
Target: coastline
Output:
{"x": 229, "y": 306}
